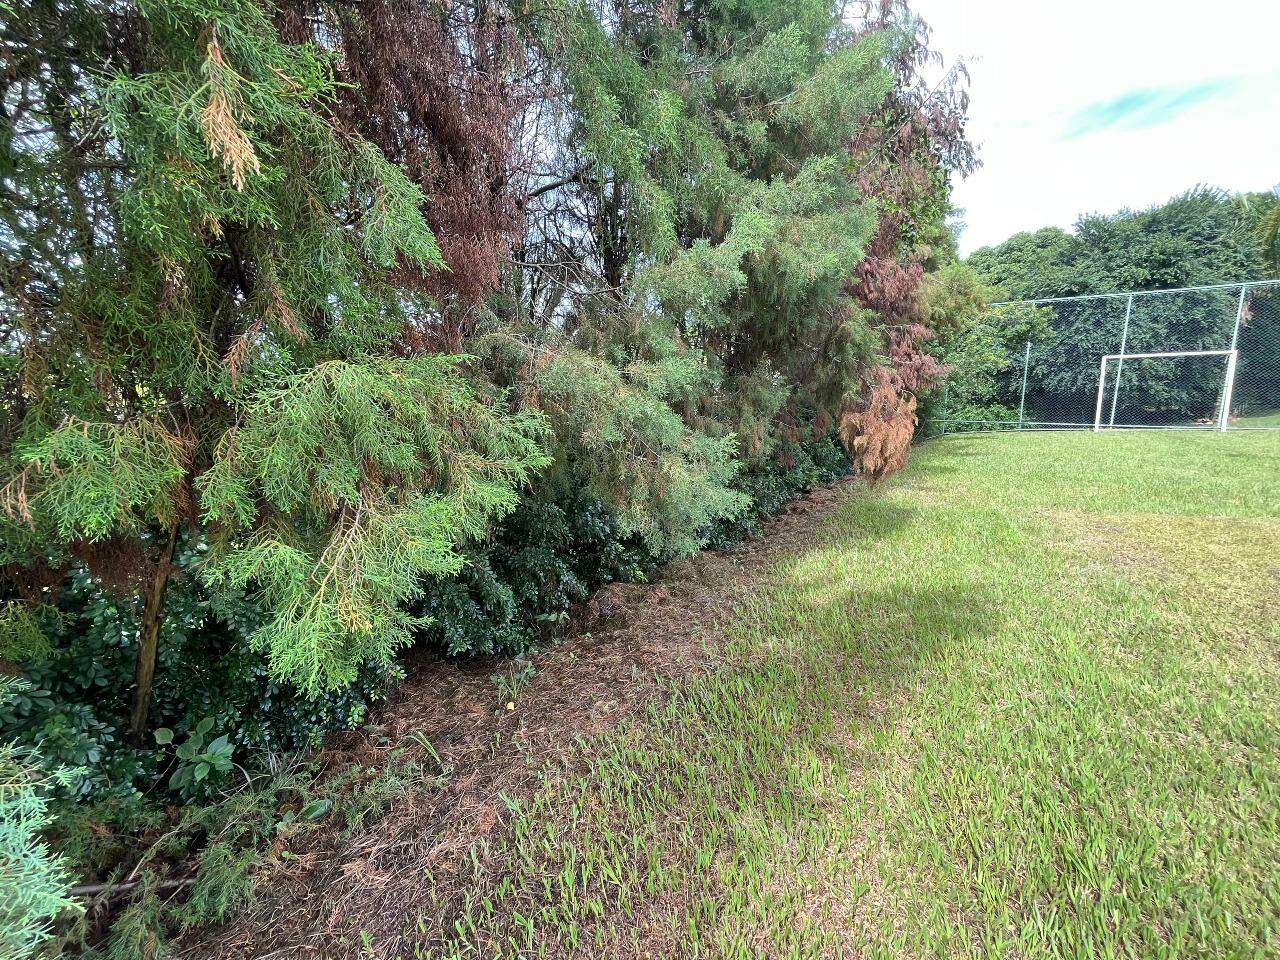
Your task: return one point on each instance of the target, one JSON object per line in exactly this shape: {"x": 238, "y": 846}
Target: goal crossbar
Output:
{"x": 1227, "y": 385}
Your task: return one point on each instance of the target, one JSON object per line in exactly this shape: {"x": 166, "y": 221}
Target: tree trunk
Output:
{"x": 149, "y": 640}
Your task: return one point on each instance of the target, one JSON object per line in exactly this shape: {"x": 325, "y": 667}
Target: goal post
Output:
{"x": 1128, "y": 360}
{"x": 1228, "y": 383}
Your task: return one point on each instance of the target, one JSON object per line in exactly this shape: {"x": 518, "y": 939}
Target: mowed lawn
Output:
{"x": 1021, "y": 701}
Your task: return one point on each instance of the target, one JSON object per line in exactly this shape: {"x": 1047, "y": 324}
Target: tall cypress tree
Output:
{"x": 213, "y": 298}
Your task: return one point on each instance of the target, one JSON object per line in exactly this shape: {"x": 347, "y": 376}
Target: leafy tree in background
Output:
{"x": 1198, "y": 238}
{"x": 687, "y": 194}
{"x": 666, "y": 181}
{"x": 720, "y": 230}
{"x": 980, "y": 346}
{"x": 1269, "y": 233}
{"x": 1256, "y": 391}
{"x": 1262, "y": 210}
{"x": 689, "y": 250}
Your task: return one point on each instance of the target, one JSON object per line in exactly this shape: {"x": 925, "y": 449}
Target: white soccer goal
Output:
{"x": 1109, "y": 393}
{"x": 1139, "y": 359}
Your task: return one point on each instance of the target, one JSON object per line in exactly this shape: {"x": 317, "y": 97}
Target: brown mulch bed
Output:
{"x": 335, "y": 897}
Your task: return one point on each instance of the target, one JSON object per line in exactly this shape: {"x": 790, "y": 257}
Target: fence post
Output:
{"x": 1225, "y": 419}
{"x": 1235, "y": 330}
{"x": 1022, "y": 402}
{"x": 1124, "y": 342}
{"x": 1102, "y": 381}
{"x": 1229, "y": 383}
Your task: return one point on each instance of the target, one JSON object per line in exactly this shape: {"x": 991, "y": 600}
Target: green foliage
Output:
{"x": 249, "y": 274}
{"x": 1269, "y": 236}
{"x": 364, "y": 794}
{"x": 198, "y": 761}
{"x": 770, "y": 488}
{"x": 552, "y": 552}
{"x": 513, "y": 681}
{"x": 221, "y": 344}
{"x": 445, "y": 464}
{"x": 100, "y": 478}
{"x": 826, "y": 107}
{"x": 226, "y": 845}
{"x": 680, "y": 484}
{"x": 708, "y": 157}
{"x": 980, "y": 346}
{"x": 33, "y": 881}
{"x": 208, "y": 669}
{"x": 561, "y": 545}
{"x": 1201, "y": 237}
{"x": 21, "y": 636}
{"x": 956, "y": 298}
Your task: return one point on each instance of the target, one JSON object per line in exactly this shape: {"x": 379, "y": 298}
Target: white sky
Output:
{"x": 1095, "y": 105}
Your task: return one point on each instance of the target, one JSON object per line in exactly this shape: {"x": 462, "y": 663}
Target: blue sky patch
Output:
{"x": 1140, "y": 109}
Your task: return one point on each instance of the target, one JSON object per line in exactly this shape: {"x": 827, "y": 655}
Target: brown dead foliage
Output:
{"x": 878, "y": 434}
{"x": 405, "y": 878}
{"x": 222, "y": 131}
{"x": 435, "y": 87}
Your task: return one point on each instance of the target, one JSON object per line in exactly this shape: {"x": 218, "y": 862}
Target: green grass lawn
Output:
{"x": 1271, "y": 419}
{"x": 1021, "y": 701}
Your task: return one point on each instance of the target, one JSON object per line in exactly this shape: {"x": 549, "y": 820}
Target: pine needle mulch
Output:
{"x": 447, "y": 760}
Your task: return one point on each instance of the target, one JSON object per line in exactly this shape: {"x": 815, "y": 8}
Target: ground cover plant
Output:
{"x": 1019, "y": 701}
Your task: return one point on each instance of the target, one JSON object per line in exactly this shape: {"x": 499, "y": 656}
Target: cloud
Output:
{"x": 1141, "y": 109}
{"x": 1034, "y": 65}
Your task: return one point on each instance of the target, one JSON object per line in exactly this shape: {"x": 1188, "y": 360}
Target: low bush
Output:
{"x": 72, "y": 709}
{"x": 560, "y": 546}
{"x": 797, "y": 468}
{"x": 553, "y": 551}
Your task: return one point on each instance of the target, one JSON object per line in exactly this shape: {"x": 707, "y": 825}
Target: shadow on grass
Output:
{"x": 887, "y": 629}
{"x": 834, "y": 600}
{"x": 869, "y": 517}
{"x": 712, "y": 823}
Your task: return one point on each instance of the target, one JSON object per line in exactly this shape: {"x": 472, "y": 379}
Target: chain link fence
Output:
{"x": 1204, "y": 358}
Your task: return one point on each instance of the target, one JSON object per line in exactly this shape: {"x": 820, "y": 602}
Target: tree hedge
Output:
{"x": 327, "y": 328}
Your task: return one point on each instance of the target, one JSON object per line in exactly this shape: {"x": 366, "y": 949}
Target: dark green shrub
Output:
{"x": 76, "y": 708}
{"x": 559, "y": 547}
{"x": 552, "y": 552}
{"x": 797, "y": 468}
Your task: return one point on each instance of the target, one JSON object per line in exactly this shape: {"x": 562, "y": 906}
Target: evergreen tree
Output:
{"x": 213, "y": 299}
{"x": 33, "y": 881}
{"x": 1263, "y": 211}
{"x": 706, "y": 184}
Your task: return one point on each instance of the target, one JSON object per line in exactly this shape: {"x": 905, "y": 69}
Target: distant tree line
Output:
{"x": 1203, "y": 237}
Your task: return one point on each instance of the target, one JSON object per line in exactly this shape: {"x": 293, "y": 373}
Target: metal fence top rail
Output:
{"x": 1243, "y": 284}
{"x": 1168, "y": 353}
